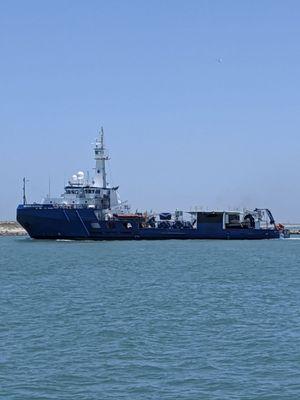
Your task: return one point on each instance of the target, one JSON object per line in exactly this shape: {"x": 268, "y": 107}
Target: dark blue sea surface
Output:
{"x": 149, "y": 320}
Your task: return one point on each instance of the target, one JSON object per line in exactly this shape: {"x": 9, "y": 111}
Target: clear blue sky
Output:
{"x": 183, "y": 129}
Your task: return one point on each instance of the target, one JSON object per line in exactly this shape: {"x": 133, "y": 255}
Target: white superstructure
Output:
{"x": 95, "y": 194}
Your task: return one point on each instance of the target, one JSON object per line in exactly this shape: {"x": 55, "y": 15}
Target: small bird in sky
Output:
{"x": 219, "y": 60}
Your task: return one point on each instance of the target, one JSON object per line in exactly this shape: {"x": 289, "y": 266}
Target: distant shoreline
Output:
{"x": 11, "y": 228}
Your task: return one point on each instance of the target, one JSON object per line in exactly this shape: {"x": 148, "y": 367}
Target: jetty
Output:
{"x": 294, "y": 231}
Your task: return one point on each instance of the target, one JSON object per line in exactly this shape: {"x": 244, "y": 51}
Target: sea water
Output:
{"x": 149, "y": 320}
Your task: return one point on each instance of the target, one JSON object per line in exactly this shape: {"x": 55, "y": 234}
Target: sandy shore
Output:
{"x": 11, "y": 228}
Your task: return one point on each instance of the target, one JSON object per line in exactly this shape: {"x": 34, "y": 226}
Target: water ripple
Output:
{"x": 149, "y": 320}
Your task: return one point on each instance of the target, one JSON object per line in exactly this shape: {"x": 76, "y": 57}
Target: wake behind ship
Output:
{"x": 93, "y": 210}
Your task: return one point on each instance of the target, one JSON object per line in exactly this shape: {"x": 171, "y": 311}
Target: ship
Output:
{"x": 91, "y": 209}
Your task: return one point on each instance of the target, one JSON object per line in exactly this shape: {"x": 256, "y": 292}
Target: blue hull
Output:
{"x": 82, "y": 224}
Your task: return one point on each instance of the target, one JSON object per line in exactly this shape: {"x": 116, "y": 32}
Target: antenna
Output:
{"x": 102, "y": 137}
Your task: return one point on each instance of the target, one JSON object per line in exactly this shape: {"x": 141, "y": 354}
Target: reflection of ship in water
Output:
{"x": 93, "y": 210}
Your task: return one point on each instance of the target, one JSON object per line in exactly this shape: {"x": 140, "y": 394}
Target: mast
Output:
{"x": 24, "y": 191}
{"x": 100, "y": 158}
{"x": 49, "y": 187}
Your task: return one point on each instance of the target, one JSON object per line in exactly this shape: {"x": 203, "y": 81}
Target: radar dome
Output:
{"x": 80, "y": 175}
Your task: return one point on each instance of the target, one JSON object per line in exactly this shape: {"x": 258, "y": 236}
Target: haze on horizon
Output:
{"x": 199, "y": 101}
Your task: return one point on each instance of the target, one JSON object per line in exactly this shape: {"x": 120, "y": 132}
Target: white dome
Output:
{"x": 74, "y": 178}
{"x": 80, "y": 175}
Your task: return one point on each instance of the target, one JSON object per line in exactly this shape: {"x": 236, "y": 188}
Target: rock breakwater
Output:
{"x": 11, "y": 228}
